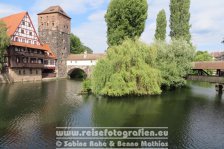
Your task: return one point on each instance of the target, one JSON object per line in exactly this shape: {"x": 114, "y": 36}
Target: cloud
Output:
{"x": 73, "y": 6}
{"x": 93, "y": 32}
{"x": 6, "y": 9}
{"x": 207, "y": 24}
{"x": 153, "y": 10}
{"x": 206, "y": 20}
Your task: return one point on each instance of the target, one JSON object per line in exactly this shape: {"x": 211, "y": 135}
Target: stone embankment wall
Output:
{"x": 2, "y": 79}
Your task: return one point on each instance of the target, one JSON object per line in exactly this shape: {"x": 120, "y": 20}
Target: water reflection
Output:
{"x": 30, "y": 112}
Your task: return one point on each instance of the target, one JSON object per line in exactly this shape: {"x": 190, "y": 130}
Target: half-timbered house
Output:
{"x": 27, "y": 59}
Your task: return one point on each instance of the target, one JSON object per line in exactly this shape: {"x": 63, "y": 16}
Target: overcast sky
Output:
{"x": 207, "y": 20}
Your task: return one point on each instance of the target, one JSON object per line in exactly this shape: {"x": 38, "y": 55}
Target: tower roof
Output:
{"x": 54, "y": 9}
{"x": 13, "y": 21}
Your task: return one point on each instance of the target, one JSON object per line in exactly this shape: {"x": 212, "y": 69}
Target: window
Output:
{"x": 23, "y": 40}
{"x": 36, "y": 71}
{"x": 29, "y": 41}
{"x": 29, "y": 24}
{"x": 17, "y": 60}
{"x": 19, "y": 72}
{"x": 24, "y": 71}
{"x": 25, "y": 60}
{"x": 31, "y": 71}
{"x": 22, "y": 31}
{"x": 16, "y": 39}
{"x": 53, "y": 24}
{"x": 31, "y": 34}
{"x": 46, "y": 62}
{"x": 35, "y": 42}
{"x": 23, "y": 23}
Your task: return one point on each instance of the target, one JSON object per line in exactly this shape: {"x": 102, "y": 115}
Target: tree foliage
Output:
{"x": 128, "y": 69}
{"x": 76, "y": 46}
{"x": 179, "y": 20}
{"x": 125, "y": 19}
{"x": 161, "y": 24}
{"x": 4, "y": 42}
{"x": 174, "y": 61}
{"x": 202, "y": 56}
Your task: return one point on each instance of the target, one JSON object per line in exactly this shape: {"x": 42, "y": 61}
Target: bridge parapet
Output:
{"x": 211, "y": 79}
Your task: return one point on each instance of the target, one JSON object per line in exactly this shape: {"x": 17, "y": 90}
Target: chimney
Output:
{"x": 85, "y": 55}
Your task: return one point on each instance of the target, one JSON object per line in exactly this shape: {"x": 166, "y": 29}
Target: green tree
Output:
{"x": 76, "y": 46}
{"x": 179, "y": 20}
{"x": 128, "y": 69}
{"x": 90, "y": 51}
{"x": 4, "y": 42}
{"x": 161, "y": 24}
{"x": 125, "y": 19}
{"x": 202, "y": 56}
{"x": 174, "y": 60}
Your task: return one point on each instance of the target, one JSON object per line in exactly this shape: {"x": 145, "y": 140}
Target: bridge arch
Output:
{"x": 77, "y": 73}
{"x": 86, "y": 70}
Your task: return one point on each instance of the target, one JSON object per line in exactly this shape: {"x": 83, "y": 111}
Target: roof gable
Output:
{"x": 13, "y": 21}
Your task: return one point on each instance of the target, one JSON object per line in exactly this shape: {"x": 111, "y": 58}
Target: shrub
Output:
{"x": 174, "y": 61}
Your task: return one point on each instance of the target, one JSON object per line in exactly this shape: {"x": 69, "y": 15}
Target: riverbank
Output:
{"x": 5, "y": 80}
{"x": 2, "y": 79}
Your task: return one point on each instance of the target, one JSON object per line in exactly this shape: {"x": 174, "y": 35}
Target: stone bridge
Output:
{"x": 84, "y": 62}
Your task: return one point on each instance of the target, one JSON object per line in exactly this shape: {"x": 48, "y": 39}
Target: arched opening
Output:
{"x": 77, "y": 74}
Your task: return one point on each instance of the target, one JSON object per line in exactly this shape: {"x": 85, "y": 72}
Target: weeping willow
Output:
{"x": 128, "y": 69}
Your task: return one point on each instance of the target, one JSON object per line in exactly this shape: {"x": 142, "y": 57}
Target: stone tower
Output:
{"x": 54, "y": 27}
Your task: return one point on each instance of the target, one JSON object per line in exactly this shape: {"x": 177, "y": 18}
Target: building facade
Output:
{"x": 54, "y": 27}
{"x": 24, "y": 58}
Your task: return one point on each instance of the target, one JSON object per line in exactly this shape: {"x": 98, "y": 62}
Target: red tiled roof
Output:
{"x": 33, "y": 46}
{"x": 216, "y": 54}
{"x": 85, "y": 56}
{"x": 209, "y": 65}
{"x": 12, "y": 22}
{"x": 47, "y": 48}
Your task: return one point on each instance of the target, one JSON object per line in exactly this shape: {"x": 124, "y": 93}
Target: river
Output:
{"x": 30, "y": 113}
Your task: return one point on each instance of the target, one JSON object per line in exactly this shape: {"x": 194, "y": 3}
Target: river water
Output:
{"x": 30, "y": 113}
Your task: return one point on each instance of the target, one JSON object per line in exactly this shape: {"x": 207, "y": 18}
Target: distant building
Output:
{"x": 218, "y": 56}
{"x": 54, "y": 27}
{"x": 25, "y": 57}
{"x": 31, "y": 57}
